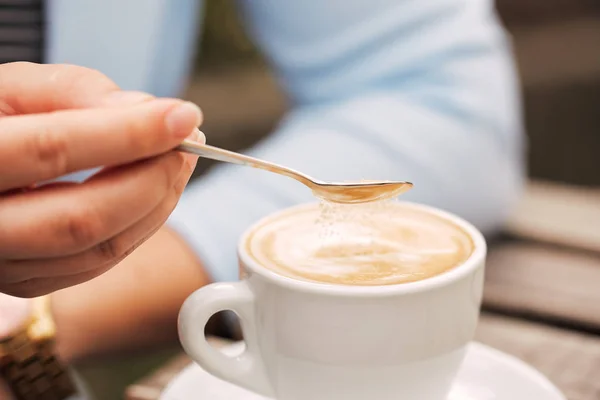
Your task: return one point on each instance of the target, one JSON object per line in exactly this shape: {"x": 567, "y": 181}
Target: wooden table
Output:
{"x": 542, "y": 294}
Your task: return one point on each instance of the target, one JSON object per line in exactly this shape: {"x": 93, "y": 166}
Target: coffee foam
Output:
{"x": 378, "y": 243}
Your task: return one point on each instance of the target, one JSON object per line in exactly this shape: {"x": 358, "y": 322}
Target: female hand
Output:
{"x": 57, "y": 119}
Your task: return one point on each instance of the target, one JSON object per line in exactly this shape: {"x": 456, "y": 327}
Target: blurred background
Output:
{"x": 557, "y": 46}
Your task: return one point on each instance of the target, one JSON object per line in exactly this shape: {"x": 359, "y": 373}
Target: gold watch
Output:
{"x": 28, "y": 363}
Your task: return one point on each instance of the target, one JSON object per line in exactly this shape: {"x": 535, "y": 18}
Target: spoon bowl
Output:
{"x": 336, "y": 192}
{"x": 359, "y": 192}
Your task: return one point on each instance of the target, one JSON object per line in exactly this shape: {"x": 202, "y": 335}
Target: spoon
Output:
{"x": 336, "y": 192}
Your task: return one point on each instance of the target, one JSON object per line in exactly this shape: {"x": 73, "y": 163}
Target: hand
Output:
{"x": 57, "y": 119}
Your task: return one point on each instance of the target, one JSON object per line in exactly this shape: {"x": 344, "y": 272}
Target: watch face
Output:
{"x": 14, "y": 313}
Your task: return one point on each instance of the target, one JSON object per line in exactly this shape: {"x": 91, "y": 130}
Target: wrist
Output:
{"x": 68, "y": 336}
{"x": 15, "y": 312}
{"x": 29, "y": 365}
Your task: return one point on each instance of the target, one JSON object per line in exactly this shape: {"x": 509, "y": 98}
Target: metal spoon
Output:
{"x": 336, "y": 192}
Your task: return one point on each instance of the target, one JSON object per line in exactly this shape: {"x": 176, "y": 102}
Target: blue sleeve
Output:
{"x": 143, "y": 45}
{"x": 387, "y": 89}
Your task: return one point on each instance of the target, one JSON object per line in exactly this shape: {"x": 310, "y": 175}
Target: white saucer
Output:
{"x": 486, "y": 374}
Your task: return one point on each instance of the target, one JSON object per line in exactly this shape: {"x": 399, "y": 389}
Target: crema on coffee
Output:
{"x": 370, "y": 244}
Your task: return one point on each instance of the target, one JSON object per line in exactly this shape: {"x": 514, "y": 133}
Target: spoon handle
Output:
{"x": 216, "y": 153}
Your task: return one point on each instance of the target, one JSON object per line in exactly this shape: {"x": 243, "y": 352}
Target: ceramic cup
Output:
{"x": 314, "y": 341}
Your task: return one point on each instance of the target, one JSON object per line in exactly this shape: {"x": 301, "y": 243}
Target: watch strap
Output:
{"x": 33, "y": 372}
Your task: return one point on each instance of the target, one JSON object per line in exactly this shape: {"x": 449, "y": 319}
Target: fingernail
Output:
{"x": 122, "y": 98}
{"x": 183, "y": 117}
{"x": 197, "y": 136}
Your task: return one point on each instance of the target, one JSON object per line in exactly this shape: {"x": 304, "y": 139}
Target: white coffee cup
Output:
{"x": 313, "y": 341}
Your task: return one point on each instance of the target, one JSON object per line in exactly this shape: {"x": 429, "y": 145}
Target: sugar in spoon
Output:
{"x": 336, "y": 192}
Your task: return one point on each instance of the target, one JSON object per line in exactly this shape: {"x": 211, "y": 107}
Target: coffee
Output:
{"x": 366, "y": 244}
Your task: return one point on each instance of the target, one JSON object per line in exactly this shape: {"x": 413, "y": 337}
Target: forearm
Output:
{"x": 134, "y": 305}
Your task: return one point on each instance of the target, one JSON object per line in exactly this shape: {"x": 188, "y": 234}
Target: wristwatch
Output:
{"x": 28, "y": 364}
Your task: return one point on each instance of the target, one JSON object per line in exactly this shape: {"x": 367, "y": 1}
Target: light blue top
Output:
{"x": 383, "y": 89}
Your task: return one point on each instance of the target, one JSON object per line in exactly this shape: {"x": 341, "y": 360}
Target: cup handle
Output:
{"x": 246, "y": 370}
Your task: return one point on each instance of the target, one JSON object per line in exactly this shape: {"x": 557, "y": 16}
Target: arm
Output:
{"x": 132, "y": 306}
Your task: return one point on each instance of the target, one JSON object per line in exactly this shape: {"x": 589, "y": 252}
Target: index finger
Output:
{"x": 36, "y": 148}
{"x": 28, "y": 88}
